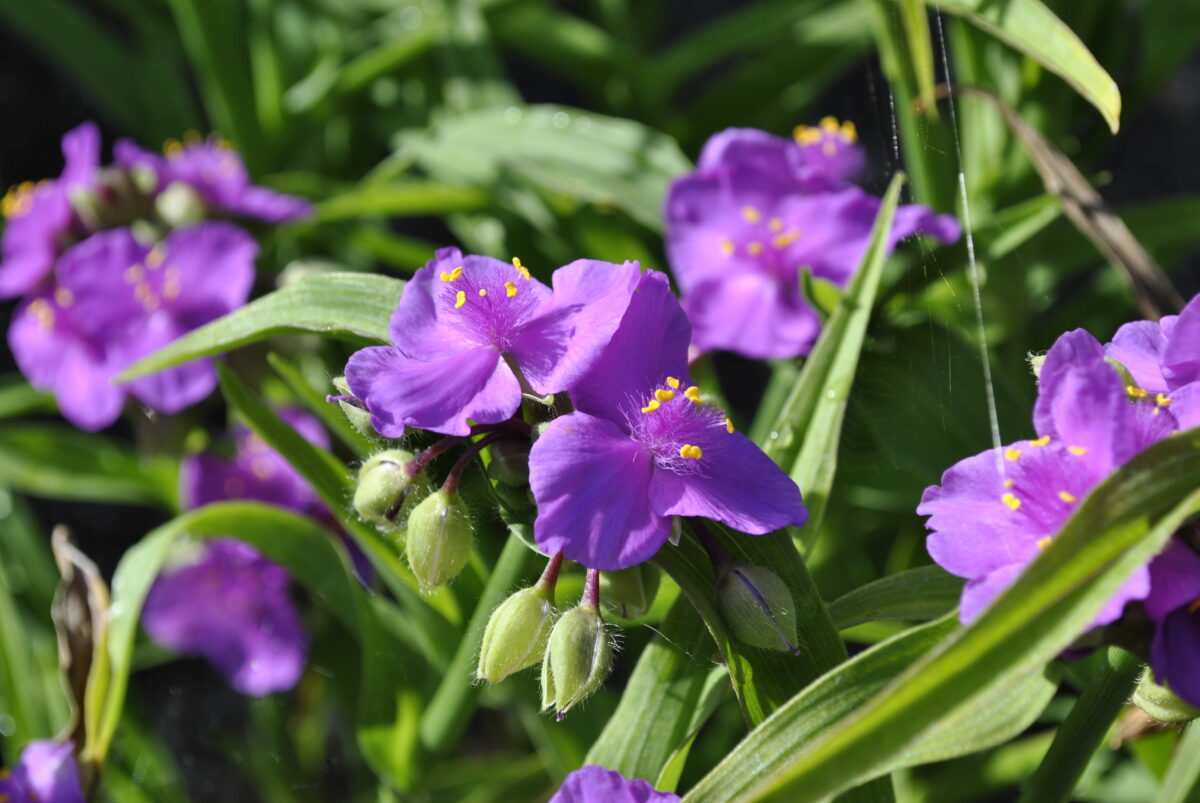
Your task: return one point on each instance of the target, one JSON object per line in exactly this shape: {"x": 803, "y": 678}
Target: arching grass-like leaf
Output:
{"x": 913, "y": 595}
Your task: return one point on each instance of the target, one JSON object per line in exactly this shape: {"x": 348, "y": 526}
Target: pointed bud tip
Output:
{"x": 439, "y": 538}
{"x": 386, "y": 493}
{"x": 759, "y": 607}
{"x": 578, "y": 659}
{"x": 516, "y": 634}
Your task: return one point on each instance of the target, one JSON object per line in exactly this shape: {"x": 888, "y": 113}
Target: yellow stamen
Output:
{"x": 1011, "y": 453}
{"x": 134, "y": 274}
{"x": 664, "y": 395}
{"x": 729, "y": 425}
{"x": 1077, "y": 450}
{"x": 510, "y": 289}
{"x": 460, "y": 298}
{"x": 651, "y": 407}
{"x": 751, "y": 214}
{"x": 1135, "y": 392}
{"x": 673, "y": 382}
{"x": 776, "y": 224}
{"x": 849, "y": 132}
{"x": 806, "y": 135}
{"x": 784, "y": 240}
{"x": 1011, "y": 500}
{"x": 41, "y": 309}
{"x": 1042, "y": 543}
{"x": 829, "y": 124}
{"x": 693, "y": 394}
{"x": 727, "y": 247}
{"x": 452, "y": 275}
{"x": 482, "y": 291}
{"x": 172, "y": 148}
{"x": 1067, "y": 497}
{"x": 171, "y": 288}
{"x": 754, "y": 248}
{"x": 64, "y": 297}
{"x": 689, "y": 451}
{"x": 1042, "y": 441}
{"x": 1008, "y": 483}
{"x": 192, "y": 137}
{"x": 1162, "y": 400}
{"x": 155, "y": 258}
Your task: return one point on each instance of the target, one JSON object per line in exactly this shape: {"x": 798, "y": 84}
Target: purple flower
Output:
{"x": 40, "y": 217}
{"x": 116, "y": 301}
{"x": 230, "y": 604}
{"x": 1164, "y": 358}
{"x": 641, "y": 448}
{"x": 758, "y": 210}
{"x": 1173, "y": 606}
{"x": 46, "y": 773}
{"x": 218, "y": 175}
{"x": 462, "y": 320}
{"x": 994, "y": 512}
{"x": 595, "y": 784}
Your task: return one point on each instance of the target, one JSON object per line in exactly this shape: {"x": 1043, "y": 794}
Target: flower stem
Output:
{"x": 450, "y": 486}
{"x": 591, "y": 590}
{"x": 549, "y": 578}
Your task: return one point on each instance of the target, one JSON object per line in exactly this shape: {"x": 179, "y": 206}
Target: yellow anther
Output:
{"x": 806, "y": 135}
{"x": 63, "y": 297}
{"x": 452, "y": 275}
{"x": 693, "y": 394}
{"x": 776, "y": 224}
{"x": 664, "y": 395}
{"x": 689, "y": 451}
{"x": 754, "y": 248}
{"x": 510, "y": 289}
{"x": 1008, "y": 483}
{"x": 751, "y": 214}
{"x": 1162, "y": 400}
{"x": 155, "y": 258}
{"x": 482, "y": 291}
{"x": 1042, "y": 441}
{"x": 192, "y": 137}
{"x": 1011, "y": 500}
{"x": 849, "y": 132}
{"x": 727, "y": 247}
{"x": 673, "y": 382}
{"x": 521, "y": 269}
{"x": 43, "y": 312}
{"x": 1135, "y": 392}
{"x": 1042, "y": 543}
{"x": 829, "y": 124}
{"x": 1077, "y": 450}
{"x": 1067, "y": 497}
{"x": 460, "y": 298}
{"x": 784, "y": 240}
{"x": 651, "y": 407}
{"x": 172, "y": 148}
{"x": 729, "y": 425}
{"x": 171, "y": 288}
{"x": 1011, "y": 453}
{"x": 134, "y": 274}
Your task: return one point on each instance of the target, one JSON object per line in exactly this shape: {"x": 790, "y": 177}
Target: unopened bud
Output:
{"x": 578, "y": 658}
{"x": 358, "y": 416}
{"x": 179, "y": 205}
{"x": 386, "y": 493}
{"x": 630, "y": 592}
{"x": 439, "y": 538}
{"x": 510, "y": 462}
{"x": 144, "y": 178}
{"x": 1161, "y": 703}
{"x": 758, "y": 607}
{"x": 517, "y": 634}
{"x": 88, "y": 207}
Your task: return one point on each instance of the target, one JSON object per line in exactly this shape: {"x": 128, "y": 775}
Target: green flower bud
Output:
{"x": 630, "y": 592}
{"x": 578, "y": 658}
{"x": 359, "y": 418}
{"x": 517, "y": 634}
{"x": 179, "y": 205}
{"x": 758, "y": 607}
{"x": 510, "y": 463}
{"x": 1160, "y": 703}
{"x": 88, "y": 207}
{"x": 386, "y": 493}
{"x": 145, "y": 179}
{"x": 439, "y": 538}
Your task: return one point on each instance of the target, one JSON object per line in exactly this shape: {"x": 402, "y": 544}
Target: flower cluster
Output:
{"x": 114, "y": 262}
{"x": 1097, "y": 407}
{"x": 758, "y": 211}
{"x": 46, "y": 773}
{"x": 595, "y": 784}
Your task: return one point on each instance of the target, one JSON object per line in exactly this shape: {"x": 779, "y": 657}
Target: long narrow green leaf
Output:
{"x": 1182, "y": 784}
{"x": 400, "y": 199}
{"x": 914, "y": 595}
{"x": 331, "y": 415}
{"x": 1120, "y": 526}
{"x": 1032, "y": 28}
{"x": 17, "y": 397}
{"x": 351, "y": 306}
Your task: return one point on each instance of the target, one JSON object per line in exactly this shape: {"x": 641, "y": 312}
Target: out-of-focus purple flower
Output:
{"x": 40, "y": 217}
{"x": 1174, "y": 607}
{"x": 642, "y": 447}
{"x": 231, "y": 605}
{"x": 1164, "y": 359}
{"x": 217, "y": 174}
{"x": 116, "y": 301}
{"x": 595, "y": 784}
{"x": 459, "y": 323}
{"x": 756, "y": 212}
{"x": 993, "y": 513}
{"x": 46, "y": 773}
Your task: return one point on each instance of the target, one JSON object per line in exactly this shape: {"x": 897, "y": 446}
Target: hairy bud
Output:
{"x": 516, "y": 634}
{"x": 1160, "y": 703}
{"x": 758, "y": 606}
{"x": 578, "y": 658}
{"x": 630, "y": 592}
{"x": 386, "y": 493}
{"x": 439, "y": 538}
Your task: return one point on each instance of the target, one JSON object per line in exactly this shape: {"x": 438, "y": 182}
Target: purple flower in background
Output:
{"x": 231, "y": 605}
{"x": 595, "y": 784}
{"x": 1164, "y": 360}
{"x": 46, "y": 773}
{"x": 217, "y": 174}
{"x": 642, "y": 447}
{"x": 118, "y": 300}
{"x": 459, "y": 323}
{"x": 993, "y": 513}
{"x": 40, "y": 217}
{"x": 1174, "y": 607}
{"x": 757, "y": 211}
